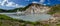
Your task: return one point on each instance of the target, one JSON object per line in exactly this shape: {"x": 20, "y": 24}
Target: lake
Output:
{"x": 31, "y": 17}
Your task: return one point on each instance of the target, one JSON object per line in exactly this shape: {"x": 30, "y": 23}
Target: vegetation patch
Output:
{"x": 54, "y": 9}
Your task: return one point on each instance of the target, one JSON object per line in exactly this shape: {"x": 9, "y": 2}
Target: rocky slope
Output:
{"x": 37, "y": 8}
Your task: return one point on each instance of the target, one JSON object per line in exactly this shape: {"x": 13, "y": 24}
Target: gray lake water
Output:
{"x": 31, "y": 17}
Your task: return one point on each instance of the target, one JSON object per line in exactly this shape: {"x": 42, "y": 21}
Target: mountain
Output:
{"x": 36, "y": 8}
{"x": 2, "y": 10}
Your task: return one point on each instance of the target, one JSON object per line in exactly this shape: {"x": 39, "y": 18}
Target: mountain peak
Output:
{"x": 36, "y": 8}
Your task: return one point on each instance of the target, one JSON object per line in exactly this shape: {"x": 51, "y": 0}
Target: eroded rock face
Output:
{"x": 35, "y": 8}
{"x": 55, "y": 17}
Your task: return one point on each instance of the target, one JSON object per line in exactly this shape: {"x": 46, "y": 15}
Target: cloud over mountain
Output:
{"x": 34, "y": 2}
{"x": 40, "y": 2}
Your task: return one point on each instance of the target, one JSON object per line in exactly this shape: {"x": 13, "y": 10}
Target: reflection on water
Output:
{"x": 31, "y": 17}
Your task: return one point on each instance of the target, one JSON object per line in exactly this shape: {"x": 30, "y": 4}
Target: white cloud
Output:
{"x": 42, "y": 1}
{"x": 44, "y": 4}
{"x": 34, "y": 2}
{"x": 9, "y": 4}
{"x": 12, "y": 4}
{"x": 19, "y": 5}
{"x": 0, "y": 1}
{"x": 3, "y": 2}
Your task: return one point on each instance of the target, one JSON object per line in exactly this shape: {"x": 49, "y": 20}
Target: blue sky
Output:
{"x": 11, "y": 4}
